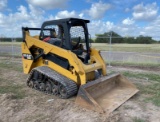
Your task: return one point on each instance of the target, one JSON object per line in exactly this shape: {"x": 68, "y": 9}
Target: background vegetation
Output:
{"x": 104, "y": 38}
{"x": 7, "y": 39}
{"x": 116, "y": 38}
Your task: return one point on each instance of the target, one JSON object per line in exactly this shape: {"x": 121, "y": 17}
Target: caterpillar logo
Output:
{"x": 27, "y": 56}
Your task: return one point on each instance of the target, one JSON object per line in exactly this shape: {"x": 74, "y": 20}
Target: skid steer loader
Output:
{"x": 61, "y": 61}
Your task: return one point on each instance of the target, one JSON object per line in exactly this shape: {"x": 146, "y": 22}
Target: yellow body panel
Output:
{"x": 27, "y": 64}
{"x": 79, "y": 71}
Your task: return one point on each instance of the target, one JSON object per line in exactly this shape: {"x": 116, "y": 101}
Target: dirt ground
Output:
{"x": 35, "y": 106}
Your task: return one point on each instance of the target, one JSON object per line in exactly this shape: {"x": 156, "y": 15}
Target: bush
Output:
{"x": 10, "y": 39}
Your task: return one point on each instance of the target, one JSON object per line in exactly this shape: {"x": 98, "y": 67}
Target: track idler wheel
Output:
{"x": 30, "y": 83}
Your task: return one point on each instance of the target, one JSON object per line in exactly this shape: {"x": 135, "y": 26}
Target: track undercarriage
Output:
{"x": 49, "y": 81}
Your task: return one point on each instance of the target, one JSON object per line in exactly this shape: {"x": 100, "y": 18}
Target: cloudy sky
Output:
{"x": 126, "y": 17}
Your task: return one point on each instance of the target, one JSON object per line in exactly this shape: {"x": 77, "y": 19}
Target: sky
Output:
{"x": 125, "y": 17}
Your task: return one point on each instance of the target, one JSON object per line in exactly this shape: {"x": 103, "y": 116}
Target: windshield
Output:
{"x": 77, "y": 36}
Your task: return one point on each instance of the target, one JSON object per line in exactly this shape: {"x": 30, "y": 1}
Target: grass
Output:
{"x": 10, "y": 43}
{"x": 155, "y": 48}
{"x": 152, "y": 77}
{"x": 152, "y": 90}
{"x": 39, "y": 117}
{"x": 131, "y": 63}
{"x": 11, "y": 66}
{"x": 16, "y": 90}
{"x": 136, "y": 119}
{"x": 7, "y": 84}
{"x": 10, "y": 55}
{"x": 128, "y": 107}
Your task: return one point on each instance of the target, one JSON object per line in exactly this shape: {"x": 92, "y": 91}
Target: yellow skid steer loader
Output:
{"x": 60, "y": 61}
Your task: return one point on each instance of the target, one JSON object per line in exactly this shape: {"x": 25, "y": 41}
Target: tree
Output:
{"x": 91, "y": 41}
{"x": 105, "y": 38}
{"x": 129, "y": 40}
{"x": 101, "y": 38}
{"x": 144, "y": 39}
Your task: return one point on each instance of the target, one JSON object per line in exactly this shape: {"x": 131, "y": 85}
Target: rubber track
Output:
{"x": 71, "y": 86}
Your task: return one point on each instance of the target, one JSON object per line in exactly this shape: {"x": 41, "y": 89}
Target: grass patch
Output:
{"x": 152, "y": 77}
{"x": 155, "y": 101}
{"x": 128, "y": 107}
{"x": 152, "y": 90}
{"x": 11, "y": 55}
{"x": 128, "y": 47}
{"x": 15, "y": 89}
{"x": 7, "y": 84}
{"x": 136, "y": 119}
{"x": 10, "y": 43}
{"x": 2, "y": 80}
{"x": 11, "y": 65}
{"x": 139, "y": 64}
{"x": 36, "y": 118}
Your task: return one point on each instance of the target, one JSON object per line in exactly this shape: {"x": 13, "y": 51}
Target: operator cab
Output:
{"x": 71, "y": 34}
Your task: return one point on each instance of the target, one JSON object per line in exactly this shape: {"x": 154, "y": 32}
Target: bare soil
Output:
{"x": 39, "y": 107}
